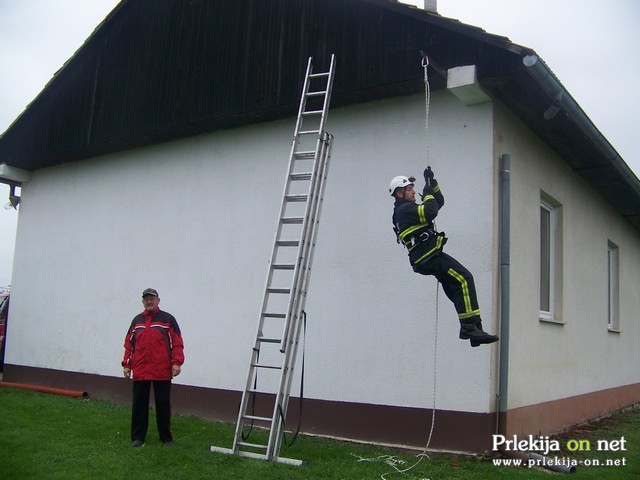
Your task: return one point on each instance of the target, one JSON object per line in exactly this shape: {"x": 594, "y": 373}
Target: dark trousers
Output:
{"x": 140, "y": 409}
{"x": 457, "y": 283}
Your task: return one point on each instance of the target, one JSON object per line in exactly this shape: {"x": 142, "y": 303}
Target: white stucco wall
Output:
{"x": 195, "y": 219}
{"x": 552, "y": 361}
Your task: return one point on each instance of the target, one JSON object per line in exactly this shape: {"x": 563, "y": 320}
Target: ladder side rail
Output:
{"x": 283, "y": 204}
{"x": 282, "y": 400}
{"x": 291, "y": 332}
{"x": 313, "y": 189}
{"x": 302, "y": 248}
{"x": 327, "y": 98}
{"x": 290, "y": 340}
{"x": 251, "y": 370}
{"x": 256, "y": 348}
{"x": 314, "y": 224}
{"x": 299, "y": 265}
{"x": 303, "y": 285}
{"x": 303, "y": 99}
{"x": 316, "y": 190}
{"x": 301, "y": 268}
{"x": 312, "y": 221}
{"x": 323, "y": 154}
{"x": 242, "y": 410}
{"x": 292, "y": 160}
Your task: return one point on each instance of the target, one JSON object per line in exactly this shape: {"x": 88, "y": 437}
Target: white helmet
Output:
{"x": 399, "y": 182}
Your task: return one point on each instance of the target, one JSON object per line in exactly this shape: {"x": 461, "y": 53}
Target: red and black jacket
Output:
{"x": 153, "y": 345}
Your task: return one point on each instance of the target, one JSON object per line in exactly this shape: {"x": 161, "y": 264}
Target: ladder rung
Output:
{"x": 292, "y": 220}
{"x": 308, "y": 154}
{"x": 274, "y": 315}
{"x": 269, "y": 340}
{"x": 309, "y": 132}
{"x": 252, "y": 445}
{"x": 288, "y": 243}
{"x": 300, "y": 176}
{"x": 270, "y": 367}
{"x": 279, "y": 290}
{"x": 316, "y": 94}
{"x": 313, "y": 112}
{"x": 296, "y": 198}
{"x": 257, "y": 419}
{"x": 283, "y": 266}
{"x": 317, "y": 75}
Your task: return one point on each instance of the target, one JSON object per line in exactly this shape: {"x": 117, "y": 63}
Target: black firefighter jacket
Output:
{"x": 414, "y": 227}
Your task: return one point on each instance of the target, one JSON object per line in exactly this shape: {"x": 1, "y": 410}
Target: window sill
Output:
{"x": 551, "y": 320}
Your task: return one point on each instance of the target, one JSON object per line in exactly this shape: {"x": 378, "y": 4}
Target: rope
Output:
{"x": 424, "y": 454}
{"x": 427, "y": 94}
{"x": 289, "y": 443}
{"x": 427, "y": 99}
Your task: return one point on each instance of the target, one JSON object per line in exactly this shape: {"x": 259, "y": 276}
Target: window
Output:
{"x": 550, "y": 260}
{"x": 546, "y": 262}
{"x": 612, "y": 287}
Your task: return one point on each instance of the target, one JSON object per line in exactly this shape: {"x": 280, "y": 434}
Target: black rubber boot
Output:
{"x": 472, "y": 331}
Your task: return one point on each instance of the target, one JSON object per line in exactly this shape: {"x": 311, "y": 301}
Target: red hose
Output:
{"x": 57, "y": 391}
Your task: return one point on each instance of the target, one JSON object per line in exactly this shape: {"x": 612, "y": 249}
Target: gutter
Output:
{"x": 562, "y": 101}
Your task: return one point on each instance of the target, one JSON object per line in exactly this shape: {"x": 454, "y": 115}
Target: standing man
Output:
{"x": 415, "y": 229}
{"x": 153, "y": 353}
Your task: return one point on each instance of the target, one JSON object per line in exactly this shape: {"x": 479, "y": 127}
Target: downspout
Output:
{"x": 505, "y": 248}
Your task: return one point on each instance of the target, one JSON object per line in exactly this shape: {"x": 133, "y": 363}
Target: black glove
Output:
{"x": 427, "y": 190}
{"x": 428, "y": 175}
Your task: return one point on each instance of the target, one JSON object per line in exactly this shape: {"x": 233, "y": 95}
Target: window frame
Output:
{"x": 547, "y": 255}
{"x": 613, "y": 287}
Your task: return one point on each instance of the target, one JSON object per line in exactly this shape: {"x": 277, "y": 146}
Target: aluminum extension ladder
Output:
{"x": 266, "y": 396}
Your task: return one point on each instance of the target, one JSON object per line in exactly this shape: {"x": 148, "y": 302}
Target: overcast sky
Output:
{"x": 590, "y": 45}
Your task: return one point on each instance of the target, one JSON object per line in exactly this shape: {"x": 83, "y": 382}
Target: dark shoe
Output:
{"x": 475, "y": 343}
{"x": 137, "y": 443}
{"x": 474, "y": 333}
{"x": 168, "y": 443}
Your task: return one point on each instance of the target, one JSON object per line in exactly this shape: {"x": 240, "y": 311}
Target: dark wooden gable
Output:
{"x": 156, "y": 70}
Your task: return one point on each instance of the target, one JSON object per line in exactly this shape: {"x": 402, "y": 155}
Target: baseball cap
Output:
{"x": 150, "y": 291}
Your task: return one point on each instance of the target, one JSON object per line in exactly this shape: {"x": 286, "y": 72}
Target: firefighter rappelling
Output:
{"x": 415, "y": 229}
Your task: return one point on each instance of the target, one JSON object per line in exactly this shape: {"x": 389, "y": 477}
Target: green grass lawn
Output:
{"x": 44, "y": 436}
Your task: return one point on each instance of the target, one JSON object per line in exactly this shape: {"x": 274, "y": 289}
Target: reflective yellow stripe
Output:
{"x": 410, "y": 230}
{"x": 473, "y": 313}
{"x": 465, "y": 294}
{"x": 421, "y": 216}
{"x": 434, "y": 249}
